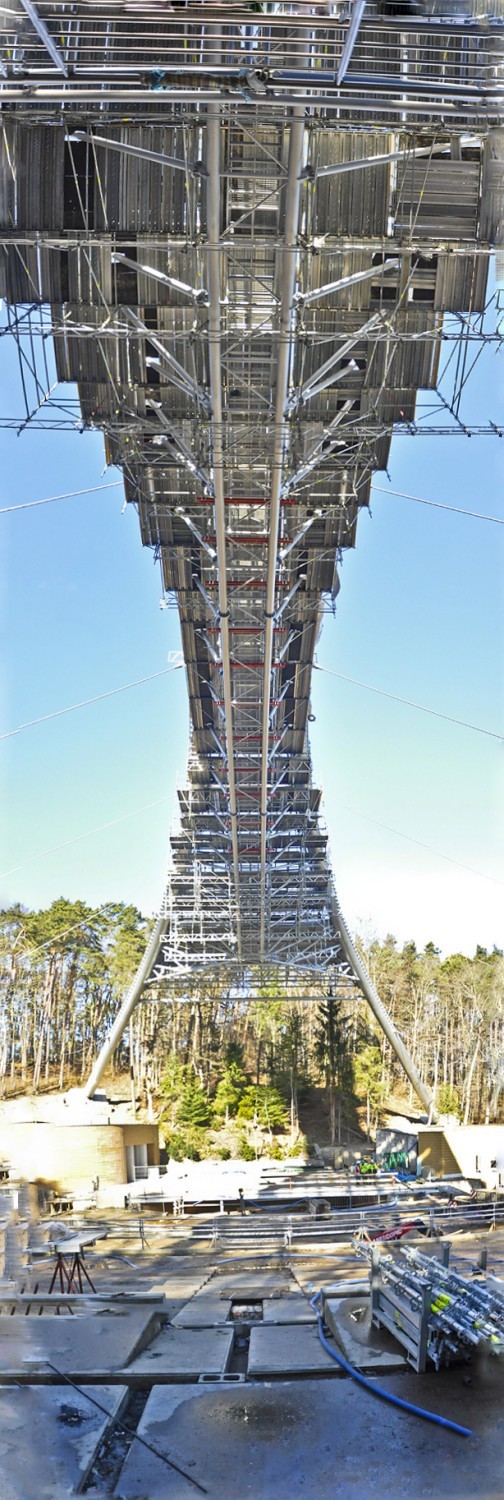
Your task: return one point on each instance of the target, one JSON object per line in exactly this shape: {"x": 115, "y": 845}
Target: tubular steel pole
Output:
{"x": 127, "y": 1007}
{"x": 214, "y": 355}
{"x": 292, "y": 203}
{"x": 380, "y": 1011}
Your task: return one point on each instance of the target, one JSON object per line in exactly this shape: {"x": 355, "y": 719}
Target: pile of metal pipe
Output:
{"x": 460, "y": 1312}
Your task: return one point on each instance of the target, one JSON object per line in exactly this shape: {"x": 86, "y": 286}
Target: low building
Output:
{"x": 76, "y": 1148}
{"x": 475, "y": 1151}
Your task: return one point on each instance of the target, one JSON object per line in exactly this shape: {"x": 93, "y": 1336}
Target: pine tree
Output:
{"x": 331, "y": 1052}
{"x": 231, "y": 1086}
{"x": 195, "y": 1109}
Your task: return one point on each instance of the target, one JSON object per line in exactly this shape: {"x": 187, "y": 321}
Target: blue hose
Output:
{"x": 377, "y": 1390}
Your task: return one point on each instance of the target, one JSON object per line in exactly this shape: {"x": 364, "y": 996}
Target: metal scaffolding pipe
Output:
{"x": 379, "y": 1010}
{"x": 214, "y": 356}
{"x": 321, "y": 451}
{"x": 373, "y": 272}
{"x": 128, "y": 149}
{"x": 292, "y": 204}
{"x": 198, "y": 295}
{"x": 127, "y": 1007}
{"x": 359, "y": 7}
{"x": 45, "y": 36}
{"x": 317, "y": 381}
{"x": 362, "y": 163}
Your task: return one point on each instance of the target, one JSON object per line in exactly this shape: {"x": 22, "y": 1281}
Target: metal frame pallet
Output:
{"x": 433, "y": 1312}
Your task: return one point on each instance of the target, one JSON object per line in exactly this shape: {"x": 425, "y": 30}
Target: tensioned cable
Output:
{"x": 6, "y": 510}
{"x": 131, "y": 1431}
{"x": 379, "y": 489}
{"x": 8, "y": 733}
{"x": 29, "y": 952}
{"x": 87, "y": 835}
{"x": 101, "y": 826}
{"x": 94, "y": 912}
{"x": 437, "y": 852}
{"x": 436, "y": 713}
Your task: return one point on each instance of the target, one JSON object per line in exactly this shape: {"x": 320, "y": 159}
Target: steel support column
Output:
{"x": 214, "y": 356}
{"x": 379, "y": 1010}
{"x": 292, "y": 204}
{"x": 127, "y": 1007}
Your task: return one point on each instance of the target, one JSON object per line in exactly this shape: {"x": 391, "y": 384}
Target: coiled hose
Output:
{"x": 377, "y": 1390}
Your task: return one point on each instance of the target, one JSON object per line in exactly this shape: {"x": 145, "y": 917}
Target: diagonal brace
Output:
{"x": 45, "y": 36}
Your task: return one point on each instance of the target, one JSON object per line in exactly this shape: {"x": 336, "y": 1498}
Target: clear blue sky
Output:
{"x": 420, "y": 613}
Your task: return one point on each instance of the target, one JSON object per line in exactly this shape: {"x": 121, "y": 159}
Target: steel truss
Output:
{"x": 89, "y": 56}
{"x": 253, "y": 282}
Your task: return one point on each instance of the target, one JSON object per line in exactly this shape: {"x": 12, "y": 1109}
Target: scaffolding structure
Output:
{"x": 257, "y": 240}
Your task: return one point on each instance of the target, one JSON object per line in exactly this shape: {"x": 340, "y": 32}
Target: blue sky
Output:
{"x": 420, "y": 614}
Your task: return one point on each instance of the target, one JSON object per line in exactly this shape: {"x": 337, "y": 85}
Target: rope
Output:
{"x": 438, "y": 505}
{"x": 87, "y": 835}
{"x": 58, "y": 712}
{"x": 6, "y": 510}
{"x": 422, "y": 707}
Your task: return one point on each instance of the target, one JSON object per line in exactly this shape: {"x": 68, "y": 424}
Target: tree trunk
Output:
{"x": 62, "y": 1055}
{"x": 469, "y": 1083}
{"x": 436, "y": 1068}
{"x": 44, "y": 1021}
{"x": 132, "y": 1065}
{"x": 12, "y": 1040}
{"x": 332, "y": 1112}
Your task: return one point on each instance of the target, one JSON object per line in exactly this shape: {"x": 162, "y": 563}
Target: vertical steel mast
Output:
{"x": 285, "y": 342}
{"x": 214, "y": 358}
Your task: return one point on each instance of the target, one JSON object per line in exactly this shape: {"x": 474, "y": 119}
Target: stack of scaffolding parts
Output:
{"x": 432, "y": 1311}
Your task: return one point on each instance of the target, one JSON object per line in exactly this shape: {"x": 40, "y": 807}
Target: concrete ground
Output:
{"x": 320, "y": 1439}
{"x": 370, "y": 1349}
{"x": 231, "y": 1385}
{"x": 48, "y": 1438}
{"x": 100, "y": 1338}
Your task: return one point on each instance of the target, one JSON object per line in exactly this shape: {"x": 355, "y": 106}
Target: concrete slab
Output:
{"x": 365, "y": 1347}
{"x": 321, "y": 1438}
{"x": 292, "y": 1308}
{"x": 179, "y": 1287}
{"x": 105, "y": 1340}
{"x": 49, "y": 1437}
{"x": 203, "y": 1311}
{"x": 286, "y": 1351}
{"x": 185, "y": 1353}
{"x": 254, "y": 1284}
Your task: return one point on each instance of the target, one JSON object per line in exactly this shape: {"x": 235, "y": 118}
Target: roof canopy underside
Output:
{"x": 249, "y": 303}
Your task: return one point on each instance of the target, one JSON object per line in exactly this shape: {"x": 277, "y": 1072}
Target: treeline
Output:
{"x": 450, "y": 1013}
{"x": 65, "y": 971}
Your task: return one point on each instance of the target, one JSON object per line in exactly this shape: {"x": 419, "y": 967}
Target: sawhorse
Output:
{"x": 70, "y": 1270}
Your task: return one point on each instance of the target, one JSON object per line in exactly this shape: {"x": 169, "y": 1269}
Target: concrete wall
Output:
{"x": 69, "y": 1155}
{"x": 388, "y": 1139}
{"x": 469, "y": 1149}
{"x": 340, "y": 1157}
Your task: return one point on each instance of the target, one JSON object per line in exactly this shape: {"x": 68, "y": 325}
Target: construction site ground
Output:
{"x": 211, "y": 1360}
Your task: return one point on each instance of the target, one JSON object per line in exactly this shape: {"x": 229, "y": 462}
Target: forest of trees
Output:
{"x": 65, "y": 971}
